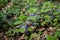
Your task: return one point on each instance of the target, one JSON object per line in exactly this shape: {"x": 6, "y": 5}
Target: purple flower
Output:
{"x": 27, "y": 32}
{"x": 32, "y": 14}
{"x": 52, "y": 17}
{"x": 24, "y": 26}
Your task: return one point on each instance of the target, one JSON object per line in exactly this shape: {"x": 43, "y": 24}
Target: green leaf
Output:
{"x": 51, "y": 37}
{"x": 22, "y": 17}
{"x": 58, "y": 17}
{"x": 47, "y": 18}
{"x": 22, "y": 30}
{"x": 16, "y": 30}
{"x": 54, "y": 24}
{"x": 43, "y": 23}
{"x": 32, "y": 10}
{"x": 57, "y": 33}
{"x": 17, "y": 22}
{"x": 56, "y": 13}
{"x": 30, "y": 29}
{"x": 33, "y": 35}
{"x": 26, "y": 37}
{"x": 9, "y": 33}
{"x": 33, "y": 18}
{"x": 55, "y": 19}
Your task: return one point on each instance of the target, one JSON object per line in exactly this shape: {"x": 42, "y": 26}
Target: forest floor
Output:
{"x": 45, "y": 31}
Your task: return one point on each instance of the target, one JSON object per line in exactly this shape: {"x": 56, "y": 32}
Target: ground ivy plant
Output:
{"x": 30, "y": 16}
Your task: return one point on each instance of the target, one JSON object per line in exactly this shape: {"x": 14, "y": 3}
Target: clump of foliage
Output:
{"x": 28, "y": 16}
{"x": 3, "y": 2}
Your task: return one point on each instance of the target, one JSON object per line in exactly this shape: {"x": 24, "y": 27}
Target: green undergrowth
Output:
{"x": 27, "y": 16}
